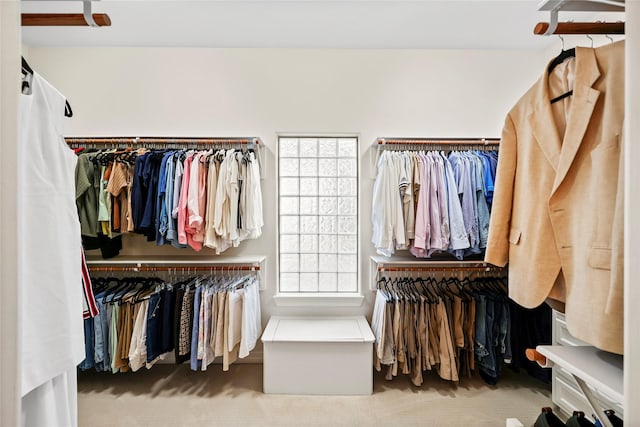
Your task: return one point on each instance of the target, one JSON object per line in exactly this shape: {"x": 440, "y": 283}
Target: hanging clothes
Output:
{"x": 432, "y": 203}
{"x": 558, "y": 208}
{"x": 144, "y": 319}
{"x": 183, "y": 198}
{"x": 49, "y": 258}
{"x": 447, "y": 325}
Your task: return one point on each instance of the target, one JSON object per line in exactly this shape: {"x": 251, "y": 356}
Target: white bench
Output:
{"x": 322, "y": 356}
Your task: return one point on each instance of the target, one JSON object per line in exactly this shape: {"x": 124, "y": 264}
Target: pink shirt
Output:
{"x": 197, "y": 208}
{"x": 422, "y": 232}
{"x": 185, "y": 232}
{"x": 182, "y": 202}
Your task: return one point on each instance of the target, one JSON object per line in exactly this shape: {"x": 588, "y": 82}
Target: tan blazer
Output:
{"x": 558, "y": 204}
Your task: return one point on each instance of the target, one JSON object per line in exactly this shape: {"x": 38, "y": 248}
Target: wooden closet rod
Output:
{"x": 159, "y": 140}
{"x": 439, "y": 141}
{"x": 177, "y": 268}
{"x": 63, "y": 20}
{"x": 605, "y": 28}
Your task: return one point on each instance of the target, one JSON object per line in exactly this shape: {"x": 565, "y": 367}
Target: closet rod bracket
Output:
{"x": 553, "y": 21}
{"x": 86, "y": 12}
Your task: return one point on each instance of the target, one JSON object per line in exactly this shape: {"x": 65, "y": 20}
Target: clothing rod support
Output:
{"x": 593, "y": 401}
{"x": 86, "y": 11}
{"x": 553, "y": 21}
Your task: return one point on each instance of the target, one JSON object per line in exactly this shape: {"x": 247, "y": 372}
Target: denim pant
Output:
{"x": 195, "y": 363}
{"x": 102, "y": 358}
{"x": 88, "y": 361}
{"x": 481, "y": 343}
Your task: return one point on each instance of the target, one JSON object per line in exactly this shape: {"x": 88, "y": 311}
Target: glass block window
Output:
{"x": 318, "y": 214}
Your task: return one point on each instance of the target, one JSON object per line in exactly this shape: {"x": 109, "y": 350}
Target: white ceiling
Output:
{"x": 424, "y": 24}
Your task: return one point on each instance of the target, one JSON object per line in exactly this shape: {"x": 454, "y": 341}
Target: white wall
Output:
{"x": 250, "y": 92}
{"x": 9, "y": 93}
{"x": 632, "y": 209}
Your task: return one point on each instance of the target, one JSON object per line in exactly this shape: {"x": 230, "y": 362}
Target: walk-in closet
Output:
{"x": 277, "y": 213}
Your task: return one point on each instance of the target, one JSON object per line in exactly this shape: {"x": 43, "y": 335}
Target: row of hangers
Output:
{"x": 128, "y": 155}
{"x": 412, "y": 289}
{"x": 119, "y": 286}
{"x": 122, "y": 285}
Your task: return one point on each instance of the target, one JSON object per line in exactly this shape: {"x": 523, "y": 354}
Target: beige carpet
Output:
{"x": 168, "y": 395}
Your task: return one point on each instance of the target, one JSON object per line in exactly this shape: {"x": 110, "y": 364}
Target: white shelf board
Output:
{"x": 581, "y": 6}
{"x": 599, "y": 369}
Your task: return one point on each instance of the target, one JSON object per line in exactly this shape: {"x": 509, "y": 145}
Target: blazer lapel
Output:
{"x": 583, "y": 103}
{"x": 544, "y": 128}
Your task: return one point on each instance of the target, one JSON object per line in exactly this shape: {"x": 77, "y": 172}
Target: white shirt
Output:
{"x": 387, "y": 213}
{"x": 49, "y": 245}
{"x": 138, "y": 347}
{"x": 210, "y": 236}
{"x": 251, "y": 318}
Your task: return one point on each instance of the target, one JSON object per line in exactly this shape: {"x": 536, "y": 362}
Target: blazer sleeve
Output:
{"x": 499, "y": 227}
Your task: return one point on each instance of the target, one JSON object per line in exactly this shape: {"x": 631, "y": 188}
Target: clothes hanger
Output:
{"x": 27, "y": 70}
{"x": 462, "y": 288}
{"x": 408, "y": 289}
{"x": 126, "y": 284}
{"x": 562, "y": 56}
{"x": 147, "y": 284}
{"x": 431, "y": 299}
{"x": 443, "y": 285}
{"x": 432, "y": 283}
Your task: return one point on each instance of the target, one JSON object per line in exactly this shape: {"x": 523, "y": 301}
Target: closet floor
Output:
{"x": 167, "y": 395}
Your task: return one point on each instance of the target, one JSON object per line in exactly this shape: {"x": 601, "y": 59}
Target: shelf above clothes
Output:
{"x": 582, "y": 5}
{"x": 556, "y": 6}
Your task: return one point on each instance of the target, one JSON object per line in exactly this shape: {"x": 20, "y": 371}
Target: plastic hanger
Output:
{"x": 27, "y": 70}
{"x": 564, "y": 55}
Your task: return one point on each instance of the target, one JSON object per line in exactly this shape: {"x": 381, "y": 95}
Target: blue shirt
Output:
{"x": 462, "y": 173}
{"x": 161, "y": 193}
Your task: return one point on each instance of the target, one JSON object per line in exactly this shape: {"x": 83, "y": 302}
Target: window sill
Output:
{"x": 319, "y": 300}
